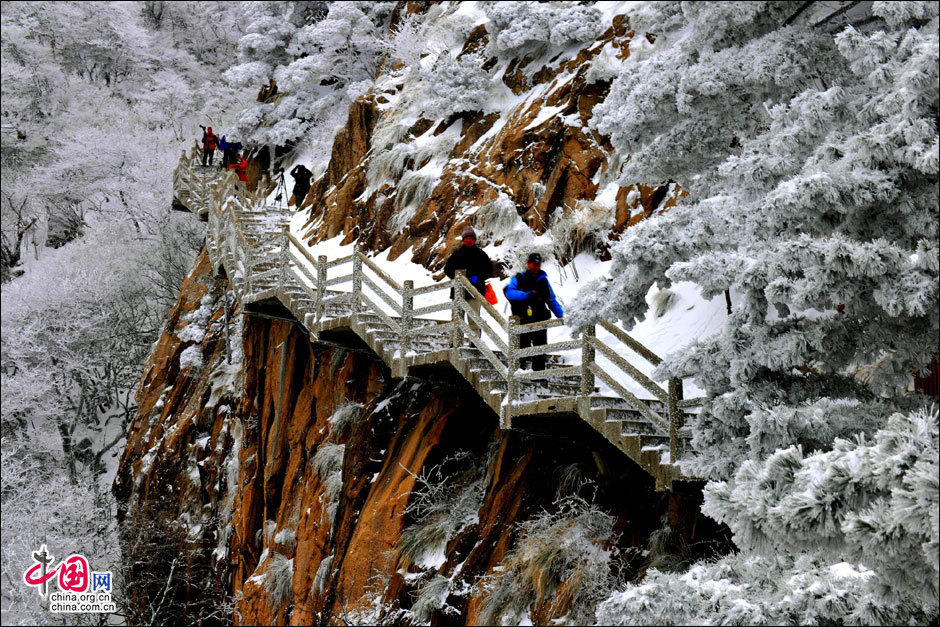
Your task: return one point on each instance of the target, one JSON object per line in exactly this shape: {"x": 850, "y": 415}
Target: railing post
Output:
{"x": 321, "y": 280}
{"x": 203, "y": 192}
{"x": 512, "y": 364}
{"x": 228, "y": 343}
{"x": 356, "y": 281}
{"x": 587, "y": 375}
{"x": 456, "y": 311}
{"x": 284, "y": 259}
{"x": 239, "y": 254}
{"x": 676, "y": 418}
{"x": 407, "y": 321}
{"x": 212, "y": 238}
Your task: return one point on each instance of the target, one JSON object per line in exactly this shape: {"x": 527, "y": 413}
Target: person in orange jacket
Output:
{"x": 240, "y": 166}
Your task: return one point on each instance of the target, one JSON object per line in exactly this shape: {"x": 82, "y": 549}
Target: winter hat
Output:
{"x": 535, "y": 258}
{"x": 468, "y": 232}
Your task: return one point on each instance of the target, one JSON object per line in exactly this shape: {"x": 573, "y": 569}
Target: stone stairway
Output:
{"x": 273, "y": 274}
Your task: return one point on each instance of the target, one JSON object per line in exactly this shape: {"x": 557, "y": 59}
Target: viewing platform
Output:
{"x": 589, "y": 379}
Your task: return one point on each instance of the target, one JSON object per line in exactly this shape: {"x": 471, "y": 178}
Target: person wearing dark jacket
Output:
{"x": 478, "y": 269}
{"x": 531, "y": 297}
{"x": 302, "y": 178}
{"x": 210, "y": 141}
{"x": 229, "y": 152}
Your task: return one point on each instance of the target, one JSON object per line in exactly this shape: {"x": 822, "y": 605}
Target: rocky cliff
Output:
{"x": 305, "y": 483}
{"x": 536, "y": 152}
{"x": 272, "y": 479}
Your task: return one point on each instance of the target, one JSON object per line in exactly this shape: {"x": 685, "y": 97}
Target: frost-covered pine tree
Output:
{"x": 515, "y": 26}
{"x": 269, "y": 27}
{"x": 875, "y": 567}
{"x": 320, "y": 61}
{"x": 456, "y": 85}
{"x": 811, "y": 157}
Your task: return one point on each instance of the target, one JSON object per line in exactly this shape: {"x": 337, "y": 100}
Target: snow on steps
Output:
{"x": 260, "y": 281}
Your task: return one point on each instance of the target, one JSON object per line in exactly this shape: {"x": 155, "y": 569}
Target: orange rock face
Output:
{"x": 291, "y": 480}
{"x": 543, "y": 141}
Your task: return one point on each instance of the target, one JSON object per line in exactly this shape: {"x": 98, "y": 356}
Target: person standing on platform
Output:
{"x": 531, "y": 298}
{"x": 478, "y": 267}
{"x": 302, "y": 177}
{"x": 210, "y": 142}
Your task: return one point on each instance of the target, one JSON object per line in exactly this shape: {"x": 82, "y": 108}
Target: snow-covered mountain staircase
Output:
{"x": 273, "y": 274}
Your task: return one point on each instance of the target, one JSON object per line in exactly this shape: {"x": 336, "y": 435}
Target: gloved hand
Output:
{"x": 473, "y": 279}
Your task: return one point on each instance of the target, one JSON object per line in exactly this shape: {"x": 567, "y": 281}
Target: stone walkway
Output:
{"x": 274, "y": 275}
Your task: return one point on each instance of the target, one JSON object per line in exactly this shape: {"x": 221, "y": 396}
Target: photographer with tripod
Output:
{"x": 302, "y": 177}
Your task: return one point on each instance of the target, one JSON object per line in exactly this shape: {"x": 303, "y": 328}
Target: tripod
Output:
{"x": 281, "y": 188}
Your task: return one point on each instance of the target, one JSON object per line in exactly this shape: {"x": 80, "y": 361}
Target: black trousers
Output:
{"x": 535, "y": 338}
{"x": 299, "y": 194}
{"x": 207, "y": 154}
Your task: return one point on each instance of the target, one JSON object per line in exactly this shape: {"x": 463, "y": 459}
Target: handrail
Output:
{"x": 463, "y": 280}
{"x": 338, "y": 279}
{"x": 266, "y": 240}
{"x": 301, "y": 248}
{"x": 340, "y": 261}
{"x": 376, "y": 310}
{"x": 237, "y": 241}
{"x": 484, "y": 325}
{"x": 381, "y": 294}
{"x": 305, "y": 271}
{"x": 538, "y": 326}
{"x": 545, "y": 349}
{"x": 624, "y": 337}
{"x": 420, "y": 311}
{"x": 638, "y": 376}
{"x": 551, "y": 372}
{"x": 460, "y": 308}
{"x": 380, "y": 272}
{"x": 428, "y": 289}
{"x": 629, "y": 396}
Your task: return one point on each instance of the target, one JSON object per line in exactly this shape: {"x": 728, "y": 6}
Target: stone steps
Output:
{"x": 616, "y": 419}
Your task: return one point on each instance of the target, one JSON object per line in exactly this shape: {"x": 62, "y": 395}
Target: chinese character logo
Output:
{"x": 73, "y": 574}
{"x": 39, "y": 573}
{"x": 82, "y": 590}
{"x": 101, "y": 581}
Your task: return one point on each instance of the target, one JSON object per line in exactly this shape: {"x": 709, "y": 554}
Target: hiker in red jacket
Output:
{"x": 240, "y": 166}
{"x": 210, "y": 141}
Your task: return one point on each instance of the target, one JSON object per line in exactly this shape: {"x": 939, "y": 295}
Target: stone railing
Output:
{"x": 252, "y": 243}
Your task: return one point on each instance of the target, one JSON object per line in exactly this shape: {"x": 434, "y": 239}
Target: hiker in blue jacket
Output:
{"x": 531, "y": 297}
{"x": 229, "y": 152}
